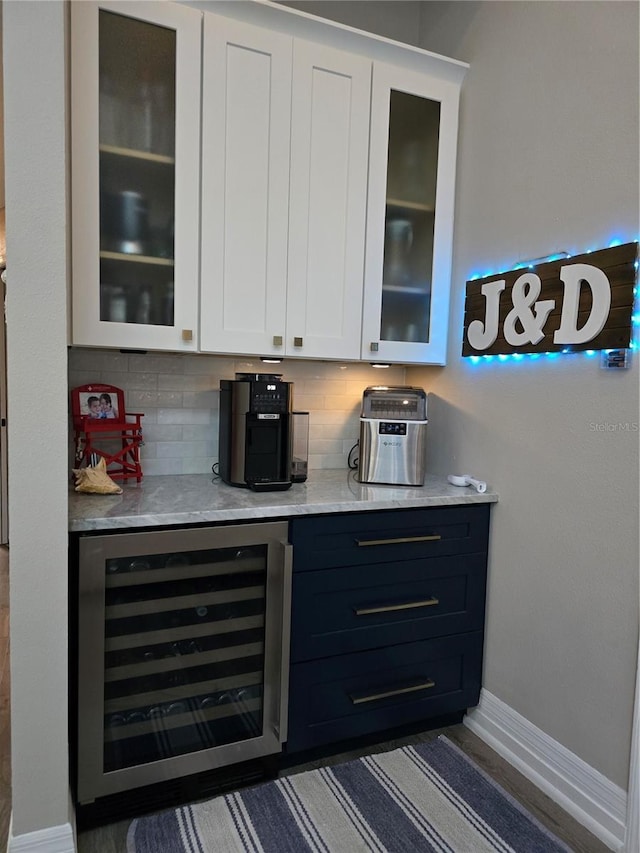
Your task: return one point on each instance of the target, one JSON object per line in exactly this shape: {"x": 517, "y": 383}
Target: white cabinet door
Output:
{"x": 245, "y": 187}
{"x": 414, "y": 126}
{"x": 327, "y": 211}
{"x": 135, "y": 174}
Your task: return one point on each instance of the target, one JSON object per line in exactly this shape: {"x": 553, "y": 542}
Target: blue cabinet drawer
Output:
{"x": 344, "y": 697}
{"x": 371, "y": 537}
{"x": 354, "y": 608}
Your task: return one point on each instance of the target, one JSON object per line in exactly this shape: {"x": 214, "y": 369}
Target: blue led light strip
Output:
{"x": 590, "y": 353}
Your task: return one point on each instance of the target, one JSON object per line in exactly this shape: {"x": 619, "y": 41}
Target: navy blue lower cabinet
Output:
{"x": 387, "y": 626}
{"x": 346, "y": 696}
{"x": 356, "y": 608}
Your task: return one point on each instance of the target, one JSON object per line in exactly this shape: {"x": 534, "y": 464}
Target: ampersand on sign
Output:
{"x": 532, "y": 315}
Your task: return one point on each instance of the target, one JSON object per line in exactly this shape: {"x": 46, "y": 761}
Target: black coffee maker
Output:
{"x": 256, "y": 433}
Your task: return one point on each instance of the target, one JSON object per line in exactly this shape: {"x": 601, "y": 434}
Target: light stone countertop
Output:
{"x": 197, "y": 498}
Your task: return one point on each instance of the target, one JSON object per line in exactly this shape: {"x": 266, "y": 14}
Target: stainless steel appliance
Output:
{"x": 183, "y": 653}
{"x": 393, "y": 435}
{"x": 256, "y": 443}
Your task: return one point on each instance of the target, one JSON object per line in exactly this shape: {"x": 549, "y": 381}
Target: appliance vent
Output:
{"x": 400, "y": 403}
{"x": 171, "y": 793}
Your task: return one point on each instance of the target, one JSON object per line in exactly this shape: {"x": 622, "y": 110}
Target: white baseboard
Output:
{"x": 53, "y": 839}
{"x": 632, "y": 841}
{"x": 587, "y": 795}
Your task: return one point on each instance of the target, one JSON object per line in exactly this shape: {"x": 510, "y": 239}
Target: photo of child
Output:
{"x": 98, "y": 406}
{"x": 93, "y": 404}
{"x": 106, "y": 406}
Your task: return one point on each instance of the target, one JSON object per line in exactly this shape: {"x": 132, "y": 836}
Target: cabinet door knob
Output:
{"x": 277, "y": 340}
{"x": 297, "y": 342}
{"x": 187, "y": 334}
{"x": 373, "y": 346}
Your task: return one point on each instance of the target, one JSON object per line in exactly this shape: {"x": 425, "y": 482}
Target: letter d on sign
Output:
{"x": 572, "y": 277}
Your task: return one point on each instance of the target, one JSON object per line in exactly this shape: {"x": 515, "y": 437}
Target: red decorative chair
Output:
{"x": 102, "y": 427}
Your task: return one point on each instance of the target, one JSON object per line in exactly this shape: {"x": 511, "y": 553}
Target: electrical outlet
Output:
{"x": 615, "y": 359}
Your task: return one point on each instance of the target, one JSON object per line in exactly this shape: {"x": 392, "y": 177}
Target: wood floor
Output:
{"x": 112, "y": 838}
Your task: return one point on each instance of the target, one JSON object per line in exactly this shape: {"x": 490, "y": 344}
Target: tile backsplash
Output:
{"x": 179, "y": 396}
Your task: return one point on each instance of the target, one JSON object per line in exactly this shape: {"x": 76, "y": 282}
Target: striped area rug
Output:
{"x": 418, "y": 798}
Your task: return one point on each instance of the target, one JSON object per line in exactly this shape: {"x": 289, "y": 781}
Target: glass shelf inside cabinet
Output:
{"x": 414, "y": 124}
{"x": 184, "y": 652}
{"x": 137, "y": 69}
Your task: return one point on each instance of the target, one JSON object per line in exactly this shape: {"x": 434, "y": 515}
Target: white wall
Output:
{"x": 35, "y": 152}
{"x": 548, "y": 160}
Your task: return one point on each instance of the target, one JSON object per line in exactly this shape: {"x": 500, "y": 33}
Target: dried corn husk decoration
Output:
{"x": 96, "y": 480}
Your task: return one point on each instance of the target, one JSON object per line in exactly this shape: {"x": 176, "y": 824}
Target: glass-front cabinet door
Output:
{"x": 183, "y": 653}
{"x": 135, "y": 172}
{"x": 410, "y": 216}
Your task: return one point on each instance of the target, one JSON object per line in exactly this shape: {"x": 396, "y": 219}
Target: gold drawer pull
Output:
{"x": 402, "y": 540}
{"x": 358, "y": 699}
{"x": 387, "y": 608}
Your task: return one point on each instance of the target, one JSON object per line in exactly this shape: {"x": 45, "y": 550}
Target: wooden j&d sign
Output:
{"x": 578, "y": 303}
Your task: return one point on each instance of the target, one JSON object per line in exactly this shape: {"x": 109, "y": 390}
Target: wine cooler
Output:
{"x": 183, "y": 653}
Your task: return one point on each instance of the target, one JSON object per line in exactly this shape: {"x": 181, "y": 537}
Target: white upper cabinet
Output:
{"x": 412, "y": 160}
{"x": 327, "y": 211}
{"x": 251, "y": 180}
{"x": 135, "y": 174}
{"x": 285, "y": 126}
{"x": 245, "y": 186}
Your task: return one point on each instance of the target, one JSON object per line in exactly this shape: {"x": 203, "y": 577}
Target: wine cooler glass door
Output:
{"x": 187, "y": 656}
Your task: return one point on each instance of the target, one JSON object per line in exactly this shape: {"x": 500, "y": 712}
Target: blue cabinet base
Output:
{"x": 387, "y": 621}
{"x": 373, "y": 742}
{"x": 346, "y": 696}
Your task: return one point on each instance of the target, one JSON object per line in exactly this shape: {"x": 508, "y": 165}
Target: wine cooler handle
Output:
{"x": 287, "y": 572}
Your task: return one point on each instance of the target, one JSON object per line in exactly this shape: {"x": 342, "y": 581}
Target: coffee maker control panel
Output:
{"x": 269, "y": 397}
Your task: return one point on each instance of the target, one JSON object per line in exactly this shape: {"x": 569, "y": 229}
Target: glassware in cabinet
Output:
{"x": 135, "y": 173}
{"x": 137, "y": 73}
{"x": 410, "y": 215}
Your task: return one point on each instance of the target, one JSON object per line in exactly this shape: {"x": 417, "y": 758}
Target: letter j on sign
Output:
{"x": 579, "y": 303}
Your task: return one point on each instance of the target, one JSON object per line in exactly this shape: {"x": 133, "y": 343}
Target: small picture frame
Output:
{"x": 99, "y": 403}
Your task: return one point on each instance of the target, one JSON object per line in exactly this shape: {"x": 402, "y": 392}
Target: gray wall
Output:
{"x": 35, "y": 158}
{"x": 548, "y": 160}
{"x": 394, "y": 19}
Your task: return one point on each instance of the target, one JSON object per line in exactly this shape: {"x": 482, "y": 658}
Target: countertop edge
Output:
{"x": 276, "y": 510}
